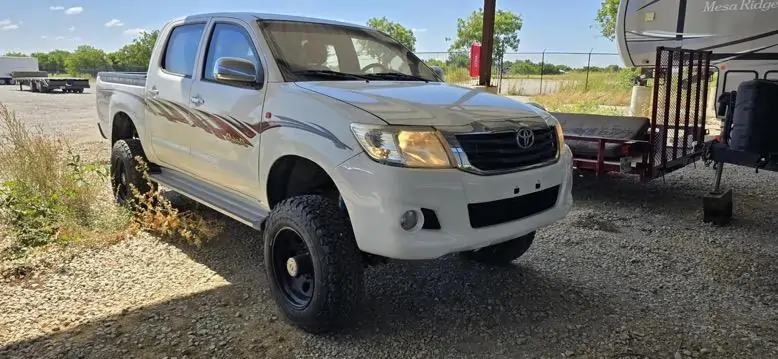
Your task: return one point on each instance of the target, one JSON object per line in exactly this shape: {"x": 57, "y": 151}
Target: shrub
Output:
{"x": 47, "y": 193}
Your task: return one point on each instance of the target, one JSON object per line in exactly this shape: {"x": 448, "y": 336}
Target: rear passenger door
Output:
{"x": 229, "y": 151}
{"x": 168, "y": 84}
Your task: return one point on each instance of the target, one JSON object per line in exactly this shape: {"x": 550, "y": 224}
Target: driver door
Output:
{"x": 229, "y": 153}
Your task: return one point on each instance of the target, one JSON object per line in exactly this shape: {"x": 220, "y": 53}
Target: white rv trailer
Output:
{"x": 741, "y": 34}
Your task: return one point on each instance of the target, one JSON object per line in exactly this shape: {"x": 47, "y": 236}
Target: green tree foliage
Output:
{"x": 53, "y": 61}
{"x": 506, "y": 32}
{"x": 400, "y": 33}
{"x": 606, "y": 18}
{"x": 135, "y": 56}
{"x": 395, "y": 30}
{"x": 86, "y": 59}
{"x": 16, "y": 54}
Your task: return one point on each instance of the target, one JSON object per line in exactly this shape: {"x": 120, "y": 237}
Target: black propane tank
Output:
{"x": 755, "y": 118}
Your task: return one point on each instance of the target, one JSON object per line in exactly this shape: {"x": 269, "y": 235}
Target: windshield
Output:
{"x": 308, "y": 51}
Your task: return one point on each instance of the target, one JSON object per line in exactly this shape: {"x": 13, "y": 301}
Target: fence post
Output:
{"x": 499, "y": 79}
{"x": 542, "y": 69}
{"x": 588, "y": 68}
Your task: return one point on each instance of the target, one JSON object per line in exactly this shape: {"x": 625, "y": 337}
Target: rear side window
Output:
{"x": 181, "y": 49}
{"x": 229, "y": 40}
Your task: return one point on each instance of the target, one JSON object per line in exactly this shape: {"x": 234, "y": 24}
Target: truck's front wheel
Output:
{"x": 502, "y": 253}
{"x": 313, "y": 264}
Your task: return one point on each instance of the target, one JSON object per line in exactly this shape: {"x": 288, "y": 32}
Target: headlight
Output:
{"x": 403, "y": 145}
{"x": 560, "y": 135}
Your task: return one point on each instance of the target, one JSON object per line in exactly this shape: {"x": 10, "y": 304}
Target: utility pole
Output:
{"x": 487, "y": 43}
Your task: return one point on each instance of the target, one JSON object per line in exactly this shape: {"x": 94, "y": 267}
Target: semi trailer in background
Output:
{"x": 9, "y": 64}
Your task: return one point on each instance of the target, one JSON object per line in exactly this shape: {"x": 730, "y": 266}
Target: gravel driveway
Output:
{"x": 631, "y": 273}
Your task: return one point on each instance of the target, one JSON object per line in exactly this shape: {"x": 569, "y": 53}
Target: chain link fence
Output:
{"x": 537, "y": 73}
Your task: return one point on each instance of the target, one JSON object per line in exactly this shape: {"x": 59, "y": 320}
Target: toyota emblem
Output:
{"x": 525, "y": 138}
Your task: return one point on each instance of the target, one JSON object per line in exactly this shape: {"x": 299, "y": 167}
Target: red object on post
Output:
{"x": 475, "y": 60}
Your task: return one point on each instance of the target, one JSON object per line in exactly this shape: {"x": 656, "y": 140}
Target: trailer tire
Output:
{"x": 501, "y": 253}
{"x": 314, "y": 267}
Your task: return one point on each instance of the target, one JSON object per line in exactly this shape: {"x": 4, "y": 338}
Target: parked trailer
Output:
{"x": 9, "y": 64}
{"x": 743, "y": 41}
{"x": 39, "y": 81}
{"x": 670, "y": 139}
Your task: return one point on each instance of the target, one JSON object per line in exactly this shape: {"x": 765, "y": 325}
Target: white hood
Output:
{"x": 419, "y": 103}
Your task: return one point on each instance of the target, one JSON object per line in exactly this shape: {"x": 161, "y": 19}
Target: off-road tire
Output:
{"x": 502, "y": 253}
{"x": 338, "y": 268}
{"x": 123, "y": 161}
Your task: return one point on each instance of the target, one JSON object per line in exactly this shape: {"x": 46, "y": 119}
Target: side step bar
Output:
{"x": 240, "y": 209}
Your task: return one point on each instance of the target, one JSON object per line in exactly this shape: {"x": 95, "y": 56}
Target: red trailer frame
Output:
{"x": 678, "y": 105}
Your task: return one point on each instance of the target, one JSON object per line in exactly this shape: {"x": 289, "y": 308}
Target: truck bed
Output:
{"x": 124, "y": 78}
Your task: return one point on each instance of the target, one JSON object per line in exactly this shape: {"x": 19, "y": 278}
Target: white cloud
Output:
{"x": 134, "y": 32}
{"x": 60, "y": 38}
{"x": 72, "y": 28}
{"x": 56, "y": 8}
{"x": 44, "y": 37}
{"x": 418, "y": 30}
{"x": 74, "y": 10}
{"x": 10, "y": 27}
{"x": 114, "y": 23}
{"x": 5, "y": 22}
{"x": 75, "y": 38}
{"x": 20, "y": 22}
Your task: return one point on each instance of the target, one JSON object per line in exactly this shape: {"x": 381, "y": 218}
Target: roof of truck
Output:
{"x": 252, "y": 16}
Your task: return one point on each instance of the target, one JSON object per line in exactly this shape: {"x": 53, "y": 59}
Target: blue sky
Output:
{"x": 43, "y": 25}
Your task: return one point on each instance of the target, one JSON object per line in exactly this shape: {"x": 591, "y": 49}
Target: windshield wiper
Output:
{"x": 396, "y": 75}
{"x": 329, "y": 73}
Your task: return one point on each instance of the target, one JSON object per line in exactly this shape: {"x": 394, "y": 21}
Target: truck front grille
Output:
{"x": 501, "y": 151}
{"x": 510, "y": 209}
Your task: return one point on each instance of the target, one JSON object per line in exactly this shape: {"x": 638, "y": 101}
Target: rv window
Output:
{"x": 733, "y": 78}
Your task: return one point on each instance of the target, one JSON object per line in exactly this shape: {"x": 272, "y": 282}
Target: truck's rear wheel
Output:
{"x": 125, "y": 173}
{"x": 314, "y": 267}
{"x": 502, "y": 253}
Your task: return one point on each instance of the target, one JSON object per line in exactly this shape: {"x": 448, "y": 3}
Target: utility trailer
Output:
{"x": 39, "y": 81}
{"x": 670, "y": 139}
{"x": 741, "y": 41}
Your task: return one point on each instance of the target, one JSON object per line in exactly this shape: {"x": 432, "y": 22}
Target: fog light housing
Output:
{"x": 409, "y": 220}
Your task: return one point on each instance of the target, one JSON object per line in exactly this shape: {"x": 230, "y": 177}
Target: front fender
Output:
{"x": 303, "y": 123}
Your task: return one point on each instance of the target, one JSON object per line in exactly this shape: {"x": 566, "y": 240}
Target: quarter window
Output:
{"x": 181, "y": 49}
{"x": 228, "y": 40}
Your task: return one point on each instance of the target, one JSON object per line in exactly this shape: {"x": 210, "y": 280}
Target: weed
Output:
{"x": 47, "y": 192}
{"x": 49, "y": 195}
{"x": 155, "y": 214}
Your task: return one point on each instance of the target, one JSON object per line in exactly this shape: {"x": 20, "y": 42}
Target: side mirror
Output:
{"x": 438, "y": 72}
{"x": 233, "y": 69}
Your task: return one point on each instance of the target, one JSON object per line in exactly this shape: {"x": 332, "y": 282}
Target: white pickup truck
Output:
{"x": 339, "y": 145}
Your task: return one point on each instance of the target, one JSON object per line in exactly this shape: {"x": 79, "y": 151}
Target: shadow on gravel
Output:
{"x": 220, "y": 323}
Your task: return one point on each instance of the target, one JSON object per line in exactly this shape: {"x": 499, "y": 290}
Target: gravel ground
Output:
{"x": 632, "y": 272}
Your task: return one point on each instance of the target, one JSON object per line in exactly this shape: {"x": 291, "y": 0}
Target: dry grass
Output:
{"x": 50, "y": 196}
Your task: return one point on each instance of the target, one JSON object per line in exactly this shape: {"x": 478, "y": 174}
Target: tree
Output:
{"x": 400, "y": 33}
{"x": 135, "y": 56}
{"x": 506, "y": 32}
{"x": 15, "y": 54}
{"x": 606, "y": 18}
{"x": 86, "y": 59}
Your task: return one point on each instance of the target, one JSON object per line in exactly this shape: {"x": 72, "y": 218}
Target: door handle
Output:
{"x": 154, "y": 92}
{"x": 197, "y": 100}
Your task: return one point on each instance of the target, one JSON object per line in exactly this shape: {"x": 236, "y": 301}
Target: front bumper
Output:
{"x": 377, "y": 195}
